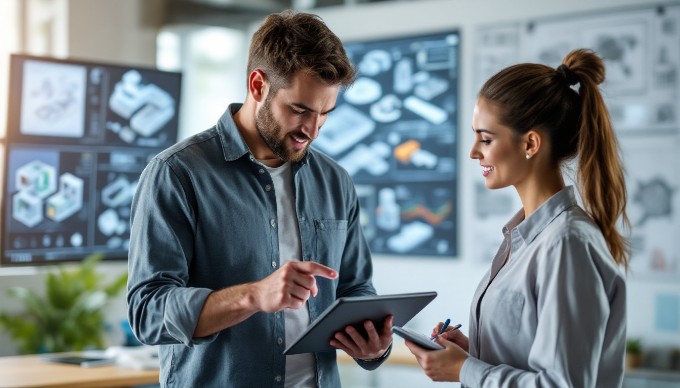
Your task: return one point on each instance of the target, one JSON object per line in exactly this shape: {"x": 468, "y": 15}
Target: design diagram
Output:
{"x": 146, "y": 107}
{"x": 36, "y": 183}
{"x": 113, "y": 221}
{"x": 53, "y": 100}
{"x": 394, "y": 132}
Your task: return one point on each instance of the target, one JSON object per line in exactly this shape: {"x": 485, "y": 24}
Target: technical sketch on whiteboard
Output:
{"x": 642, "y": 93}
{"x": 492, "y": 209}
{"x": 623, "y": 48}
{"x": 641, "y": 56}
{"x": 653, "y": 207}
{"x": 497, "y": 48}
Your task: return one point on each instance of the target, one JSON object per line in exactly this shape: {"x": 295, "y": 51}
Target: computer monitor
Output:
{"x": 395, "y": 132}
{"x": 78, "y": 136}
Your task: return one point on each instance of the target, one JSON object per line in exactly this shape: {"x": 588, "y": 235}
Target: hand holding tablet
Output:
{"x": 421, "y": 339}
{"x": 354, "y": 311}
{"x": 415, "y": 337}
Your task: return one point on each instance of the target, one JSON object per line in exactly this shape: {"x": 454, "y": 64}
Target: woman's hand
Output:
{"x": 440, "y": 365}
{"x": 455, "y": 336}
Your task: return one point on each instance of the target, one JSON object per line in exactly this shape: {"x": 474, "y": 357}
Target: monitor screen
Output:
{"x": 78, "y": 136}
{"x": 395, "y": 132}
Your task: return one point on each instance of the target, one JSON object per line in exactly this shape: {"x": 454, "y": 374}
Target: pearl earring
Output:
{"x": 528, "y": 156}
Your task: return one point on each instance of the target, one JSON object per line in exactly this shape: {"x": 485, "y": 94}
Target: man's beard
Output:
{"x": 270, "y": 132}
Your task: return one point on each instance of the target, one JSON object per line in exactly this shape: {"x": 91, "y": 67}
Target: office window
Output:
{"x": 213, "y": 65}
{"x": 9, "y": 30}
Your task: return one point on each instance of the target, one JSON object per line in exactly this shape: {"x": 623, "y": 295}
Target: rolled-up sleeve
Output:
{"x": 162, "y": 309}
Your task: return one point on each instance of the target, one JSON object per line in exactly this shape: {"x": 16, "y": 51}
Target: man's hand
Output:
{"x": 290, "y": 286}
{"x": 372, "y": 346}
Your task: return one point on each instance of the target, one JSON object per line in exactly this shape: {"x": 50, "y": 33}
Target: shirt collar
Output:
{"x": 232, "y": 142}
{"x": 531, "y": 227}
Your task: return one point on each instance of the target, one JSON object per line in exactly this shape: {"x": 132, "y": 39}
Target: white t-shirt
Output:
{"x": 300, "y": 370}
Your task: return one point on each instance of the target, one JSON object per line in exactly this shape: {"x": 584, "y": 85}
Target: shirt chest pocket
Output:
{"x": 330, "y": 237}
{"x": 507, "y": 313}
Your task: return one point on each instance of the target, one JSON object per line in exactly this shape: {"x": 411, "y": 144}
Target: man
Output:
{"x": 234, "y": 229}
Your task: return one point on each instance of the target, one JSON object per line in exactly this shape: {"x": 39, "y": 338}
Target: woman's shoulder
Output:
{"x": 573, "y": 224}
{"x": 573, "y": 238}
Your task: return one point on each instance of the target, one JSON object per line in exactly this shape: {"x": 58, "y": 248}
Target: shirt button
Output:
{"x": 268, "y": 187}
{"x": 252, "y": 158}
{"x": 272, "y": 222}
{"x": 280, "y": 340}
{"x": 278, "y": 379}
{"x": 321, "y": 226}
{"x": 273, "y": 264}
{"x": 261, "y": 171}
{"x": 303, "y": 219}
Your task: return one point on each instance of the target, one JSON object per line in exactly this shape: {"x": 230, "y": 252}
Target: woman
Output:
{"x": 552, "y": 309}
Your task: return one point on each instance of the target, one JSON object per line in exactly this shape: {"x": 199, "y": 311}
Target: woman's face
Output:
{"x": 500, "y": 151}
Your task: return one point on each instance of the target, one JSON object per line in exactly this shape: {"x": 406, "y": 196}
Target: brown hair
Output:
{"x": 533, "y": 96}
{"x": 288, "y": 42}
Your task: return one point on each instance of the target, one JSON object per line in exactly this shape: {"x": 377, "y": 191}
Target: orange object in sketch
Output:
{"x": 403, "y": 152}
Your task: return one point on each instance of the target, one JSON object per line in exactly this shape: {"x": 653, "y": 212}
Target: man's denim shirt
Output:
{"x": 204, "y": 218}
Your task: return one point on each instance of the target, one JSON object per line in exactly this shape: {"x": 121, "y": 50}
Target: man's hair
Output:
{"x": 289, "y": 42}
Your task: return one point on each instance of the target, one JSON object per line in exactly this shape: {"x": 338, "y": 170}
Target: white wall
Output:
{"x": 126, "y": 36}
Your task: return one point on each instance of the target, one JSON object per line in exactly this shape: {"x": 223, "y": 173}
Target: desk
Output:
{"x": 652, "y": 378}
{"x": 30, "y": 371}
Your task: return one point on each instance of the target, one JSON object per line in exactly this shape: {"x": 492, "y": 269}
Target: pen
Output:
{"x": 446, "y": 324}
{"x": 441, "y": 330}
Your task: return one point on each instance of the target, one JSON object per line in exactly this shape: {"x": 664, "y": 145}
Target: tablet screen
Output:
{"x": 354, "y": 311}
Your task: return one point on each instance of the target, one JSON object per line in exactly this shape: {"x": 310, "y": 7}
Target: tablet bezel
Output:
{"x": 354, "y": 310}
{"x": 417, "y": 338}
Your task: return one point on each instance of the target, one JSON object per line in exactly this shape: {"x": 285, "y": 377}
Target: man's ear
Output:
{"x": 258, "y": 85}
{"x": 532, "y": 143}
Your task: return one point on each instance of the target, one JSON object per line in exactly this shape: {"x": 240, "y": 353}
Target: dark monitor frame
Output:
{"x": 98, "y": 151}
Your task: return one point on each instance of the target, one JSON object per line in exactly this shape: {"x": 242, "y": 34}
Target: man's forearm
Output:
{"x": 225, "y": 308}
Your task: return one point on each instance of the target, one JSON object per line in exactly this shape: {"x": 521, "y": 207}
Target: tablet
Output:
{"x": 354, "y": 310}
{"x": 85, "y": 362}
{"x": 417, "y": 338}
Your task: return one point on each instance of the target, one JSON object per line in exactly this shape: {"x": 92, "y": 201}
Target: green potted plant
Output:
{"x": 633, "y": 353}
{"x": 69, "y": 316}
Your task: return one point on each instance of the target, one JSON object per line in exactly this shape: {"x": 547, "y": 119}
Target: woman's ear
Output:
{"x": 258, "y": 85}
{"x": 532, "y": 143}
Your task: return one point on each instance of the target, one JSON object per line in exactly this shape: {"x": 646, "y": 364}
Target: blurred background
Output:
{"x": 432, "y": 224}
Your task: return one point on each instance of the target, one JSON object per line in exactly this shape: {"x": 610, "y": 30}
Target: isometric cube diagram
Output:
{"x": 68, "y": 200}
{"x": 372, "y": 159}
{"x": 118, "y": 193}
{"x": 36, "y": 178}
{"x": 335, "y": 138}
{"x": 128, "y": 95}
{"x": 410, "y": 237}
{"x": 110, "y": 223}
{"x": 147, "y": 106}
{"x": 27, "y": 208}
